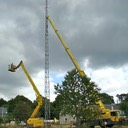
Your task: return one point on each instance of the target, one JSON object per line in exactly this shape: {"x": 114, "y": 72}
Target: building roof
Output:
{"x": 112, "y": 106}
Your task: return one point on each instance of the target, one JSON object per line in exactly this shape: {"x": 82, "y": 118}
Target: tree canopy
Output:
{"x": 123, "y": 102}
{"x": 2, "y": 102}
{"x": 78, "y": 95}
{"x": 122, "y": 97}
{"x": 19, "y": 108}
{"x": 106, "y": 99}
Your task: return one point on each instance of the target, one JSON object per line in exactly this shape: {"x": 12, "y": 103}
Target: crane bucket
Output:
{"x": 12, "y": 68}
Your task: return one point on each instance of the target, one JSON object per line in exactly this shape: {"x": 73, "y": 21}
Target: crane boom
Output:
{"x": 81, "y": 72}
{"x": 32, "y": 120}
{"x": 108, "y": 112}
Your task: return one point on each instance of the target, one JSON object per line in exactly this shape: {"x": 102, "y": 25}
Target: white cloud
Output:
{"x": 112, "y": 81}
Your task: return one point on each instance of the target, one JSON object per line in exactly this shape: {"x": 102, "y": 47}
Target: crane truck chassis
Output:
{"x": 108, "y": 117}
{"x": 33, "y": 121}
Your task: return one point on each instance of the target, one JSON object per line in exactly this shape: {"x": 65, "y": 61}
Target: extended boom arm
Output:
{"x": 39, "y": 98}
{"x": 81, "y": 72}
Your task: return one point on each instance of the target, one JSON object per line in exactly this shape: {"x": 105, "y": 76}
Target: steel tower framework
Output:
{"x": 47, "y": 83}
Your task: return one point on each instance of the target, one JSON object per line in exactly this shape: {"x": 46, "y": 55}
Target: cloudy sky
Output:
{"x": 96, "y": 32}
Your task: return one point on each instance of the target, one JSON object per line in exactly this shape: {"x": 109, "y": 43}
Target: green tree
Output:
{"x": 122, "y": 97}
{"x": 22, "y": 111}
{"x": 16, "y": 102}
{"x": 124, "y": 106}
{"x": 1, "y": 120}
{"x": 106, "y": 99}
{"x": 2, "y": 102}
{"x": 78, "y": 96}
{"x": 56, "y": 107}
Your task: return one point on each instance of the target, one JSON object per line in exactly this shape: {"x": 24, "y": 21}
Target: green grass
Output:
{"x": 4, "y": 126}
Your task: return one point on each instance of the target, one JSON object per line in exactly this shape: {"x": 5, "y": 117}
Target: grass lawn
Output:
{"x": 64, "y": 126}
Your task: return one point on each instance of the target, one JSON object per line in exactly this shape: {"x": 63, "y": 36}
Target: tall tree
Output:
{"x": 22, "y": 111}
{"x": 123, "y": 102}
{"x": 15, "y": 103}
{"x": 106, "y": 99}
{"x": 78, "y": 96}
{"x": 2, "y": 102}
{"x": 122, "y": 97}
{"x": 124, "y": 106}
{"x": 56, "y": 107}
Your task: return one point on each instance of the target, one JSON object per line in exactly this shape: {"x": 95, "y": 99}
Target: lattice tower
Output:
{"x": 47, "y": 83}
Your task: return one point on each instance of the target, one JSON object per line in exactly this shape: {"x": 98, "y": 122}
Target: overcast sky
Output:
{"x": 96, "y": 31}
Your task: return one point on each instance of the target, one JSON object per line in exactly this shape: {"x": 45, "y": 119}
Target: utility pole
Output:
{"x": 47, "y": 83}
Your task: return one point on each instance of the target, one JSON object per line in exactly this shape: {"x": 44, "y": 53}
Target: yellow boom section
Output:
{"x": 39, "y": 98}
{"x": 81, "y": 72}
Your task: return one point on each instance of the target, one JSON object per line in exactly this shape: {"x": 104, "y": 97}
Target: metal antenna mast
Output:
{"x": 47, "y": 83}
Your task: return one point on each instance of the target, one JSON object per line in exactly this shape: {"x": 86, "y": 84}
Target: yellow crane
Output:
{"x": 33, "y": 121}
{"x": 114, "y": 115}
